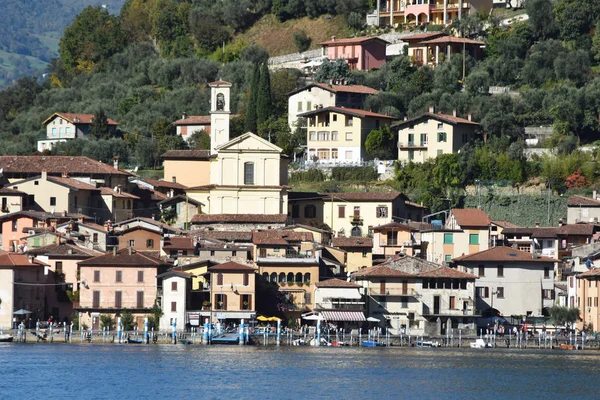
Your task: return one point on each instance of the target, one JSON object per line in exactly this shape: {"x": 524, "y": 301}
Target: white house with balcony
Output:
{"x": 61, "y": 127}
{"x": 339, "y": 301}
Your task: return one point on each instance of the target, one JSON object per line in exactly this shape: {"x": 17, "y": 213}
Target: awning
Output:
{"x": 340, "y": 293}
{"x": 234, "y": 314}
{"x": 356, "y": 316}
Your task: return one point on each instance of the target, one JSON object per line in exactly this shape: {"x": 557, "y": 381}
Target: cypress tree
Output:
{"x": 264, "y": 101}
{"x": 250, "y": 122}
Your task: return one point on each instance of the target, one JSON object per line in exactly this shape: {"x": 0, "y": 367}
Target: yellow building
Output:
{"x": 338, "y": 134}
{"x": 431, "y": 135}
{"x": 358, "y": 252}
{"x": 422, "y": 12}
{"x": 588, "y": 292}
{"x": 178, "y": 164}
{"x": 393, "y": 238}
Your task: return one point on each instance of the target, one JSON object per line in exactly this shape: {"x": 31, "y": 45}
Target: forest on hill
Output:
{"x": 150, "y": 64}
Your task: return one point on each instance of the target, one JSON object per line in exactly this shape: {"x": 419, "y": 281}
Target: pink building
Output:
{"x": 115, "y": 281}
{"x": 361, "y": 53}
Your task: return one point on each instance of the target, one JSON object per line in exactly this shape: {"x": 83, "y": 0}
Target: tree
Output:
{"x": 99, "y": 126}
{"x": 107, "y": 321}
{"x": 200, "y": 140}
{"x": 567, "y": 316}
{"x": 250, "y": 121}
{"x": 264, "y": 100}
{"x": 380, "y": 143}
{"x": 127, "y": 320}
{"x": 302, "y": 41}
{"x": 336, "y": 71}
{"x": 208, "y": 32}
{"x": 93, "y": 36}
{"x": 154, "y": 317}
{"x": 355, "y": 21}
{"x": 541, "y": 18}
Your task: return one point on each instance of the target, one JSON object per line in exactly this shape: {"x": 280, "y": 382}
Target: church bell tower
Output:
{"x": 220, "y": 112}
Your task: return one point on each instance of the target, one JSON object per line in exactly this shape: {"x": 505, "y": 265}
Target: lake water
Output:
{"x": 87, "y": 371}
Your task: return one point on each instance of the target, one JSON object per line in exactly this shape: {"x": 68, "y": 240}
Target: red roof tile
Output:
{"x": 445, "y": 272}
{"x": 275, "y": 237}
{"x": 452, "y": 39}
{"x": 363, "y": 196}
{"x": 57, "y": 165}
{"x": 72, "y": 183}
{"x": 421, "y": 36}
{"x": 220, "y": 83}
{"x": 382, "y": 271}
{"x": 347, "y": 88}
{"x": 589, "y": 274}
{"x": 77, "y": 118}
{"x": 347, "y": 111}
{"x": 122, "y": 258}
{"x": 64, "y": 249}
{"x": 583, "y": 201}
{"x": 239, "y": 218}
{"x": 502, "y": 254}
{"x": 466, "y": 217}
{"x": 394, "y": 226}
{"x": 336, "y": 283}
{"x": 194, "y": 120}
{"x": 179, "y": 243}
{"x": 164, "y": 184}
{"x": 356, "y": 40}
{"x": 106, "y": 191}
{"x": 19, "y": 260}
{"x": 227, "y": 236}
{"x": 438, "y": 117}
{"x": 505, "y": 224}
{"x": 352, "y": 242}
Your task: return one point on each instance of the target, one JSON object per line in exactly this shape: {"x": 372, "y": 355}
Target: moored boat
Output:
{"x": 5, "y": 337}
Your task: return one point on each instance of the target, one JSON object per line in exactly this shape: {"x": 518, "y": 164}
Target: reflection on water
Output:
{"x": 134, "y": 371}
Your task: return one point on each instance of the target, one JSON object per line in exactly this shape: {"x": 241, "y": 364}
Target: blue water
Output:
{"x": 86, "y": 371}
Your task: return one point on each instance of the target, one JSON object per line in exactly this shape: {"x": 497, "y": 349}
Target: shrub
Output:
{"x": 361, "y": 174}
{"x": 310, "y": 175}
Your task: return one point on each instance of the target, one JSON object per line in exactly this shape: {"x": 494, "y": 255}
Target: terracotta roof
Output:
{"x": 194, "y": 120}
{"x": 163, "y": 184}
{"x": 64, "y": 249}
{"x": 588, "y": 274}
{"x": 471, "y": 217}
{"x": 227, "y": 236}
{"x": 352, "y": 242}
{"x": 70, "y": 182}
{"x": 44, "y": 216}
{"x": 275, "y": 237}
{"x": 382, "y": 271}
{"x": 173, "y": 272}
{"x": 503, "y": 254}
{"x": 180, "y": 199}
{"x": 202, "y": 155}
{"x": 220, "y": 83}
{"x": 356, "y": 40}
{"x": 355, "y": 112}
{"x": 336, "y": 283}
{"x": 421, "y": 36}
{"x": 149, "y": 221}
{"x": 239, "y": 218}
{"x": 106, "y": 191}
{"x": 420, "y": 226}
{"x": 416, "y": 205}
{"x": 57, "y": 165}
{"x": 11, "y": 192}
{"x": 583, "y": 201}
{"x": 445, "y": 272}
{"x": 179, "y": 242}
{"x": 393, "y": 225}
{"x": 363, "y": 196}
{"x": 81, "y": 118}
{"x": 450, "y": 119}
{"x": 122, "y": 258}
{"x": 554, "y": 231}
{"x": 19, "y": 260}
{"x": 231, "y": 266}
{"x": 505, "y": 224}
{"x": 452, "y": 39}
{"x": 358, "y": 89}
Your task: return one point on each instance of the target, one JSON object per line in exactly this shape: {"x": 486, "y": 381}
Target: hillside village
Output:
{"x": 225, "y": 236}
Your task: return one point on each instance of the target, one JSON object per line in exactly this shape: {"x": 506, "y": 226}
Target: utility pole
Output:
{"x": 549, "y": 189}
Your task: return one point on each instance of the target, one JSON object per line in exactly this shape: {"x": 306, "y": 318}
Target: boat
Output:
{"x": 480, "y": 344}
{"x": 185, "y": 341}
{"x": 5, "y": 337}
{"x": 134, "y": 341}
{"x": 427, "y": 344}
{"x": 371, "y": 343}
{"x": 564, "y": 346}
{"x": 225, "y": 339}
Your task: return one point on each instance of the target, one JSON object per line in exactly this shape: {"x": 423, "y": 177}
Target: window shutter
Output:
{"x": 487, "y": 292}
{"x": 246, "y": 279}
{"x": 140, "y": 299}
{"x": 216, "y": 302}
{"x": 224, "y": 302}
{"x": 341, "y": 212}
{"x": 220, "y": 279}
{"x": 241, "y": 301}
{"x": 250, "y": 302}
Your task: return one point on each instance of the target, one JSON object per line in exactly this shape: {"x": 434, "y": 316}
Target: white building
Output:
{"x": 175, "y": 288}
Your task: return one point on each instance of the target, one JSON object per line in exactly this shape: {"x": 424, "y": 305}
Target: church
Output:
{"x": 246, "y": 175}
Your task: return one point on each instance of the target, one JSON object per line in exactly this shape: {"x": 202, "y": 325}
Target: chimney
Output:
{"x": 116, "y": 162}
{"x": 431, "y": 109}
{"x": 454, "y": 112}
{"x": 333, "y": 38}
{"x": 57, "y": 239}
{"x": 183, "y": 116}
{"x": 65, "y": 213}
{"x": 114, "y": 250}
{"x": 469, "y": 116}
{"x": 44, "y": 175}
{"x": 129, "y": 248}
{"x": 537, "y": 224}
{"x": 171, "y": 193}
{"x": 30, "y": 259}
{"x": 560, "y": 222}
{"x": 405, "y": 118}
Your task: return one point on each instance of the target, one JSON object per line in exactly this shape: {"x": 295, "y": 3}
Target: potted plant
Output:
{"x": 206, "y": 305}
{"x": 245, "y": 305}
{"x": 282, "y": 283}
{"x": 307, "y": 283}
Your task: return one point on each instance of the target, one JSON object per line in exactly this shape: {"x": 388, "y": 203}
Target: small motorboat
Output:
{"x": 428, "y": 343}
{"x": 5, "y": 337}
{"x": 134, "y": 341}
{"x": 480, "y": 344}
{"x": 324, "y": 342}
{"x": 372, "y": 343}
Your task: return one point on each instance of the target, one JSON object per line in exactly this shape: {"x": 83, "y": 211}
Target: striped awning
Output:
{"x": 356, "y": 316}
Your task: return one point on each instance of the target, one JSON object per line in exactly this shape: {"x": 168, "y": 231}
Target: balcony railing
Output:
{"x": 392, "y": 291}
{"x": 394, "y": 242}
{"x": 407, "y": 145}
{"x": 327, "y": 305}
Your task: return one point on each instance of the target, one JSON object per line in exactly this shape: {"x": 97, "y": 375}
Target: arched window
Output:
{"x": 265, "y": 276}
{"x": 356, "y": 231}
{"x": 274, "y": 277}
{"x": 290, "y": 277}
{"x": 307, "y": 277}
{"x": 249, "y": 173}
{"x": 299, "y": 277}
{"x": 282, "y": 277}
{"x": 220, "y": 102}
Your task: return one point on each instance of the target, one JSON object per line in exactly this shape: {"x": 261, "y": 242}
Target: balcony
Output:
{"x": 411, "y": 145}
{"x": 341, "y": 305}
{"x": 396, "y": 243}
{"x": 393, "y": 291}
{"x": 356, "y": 219}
